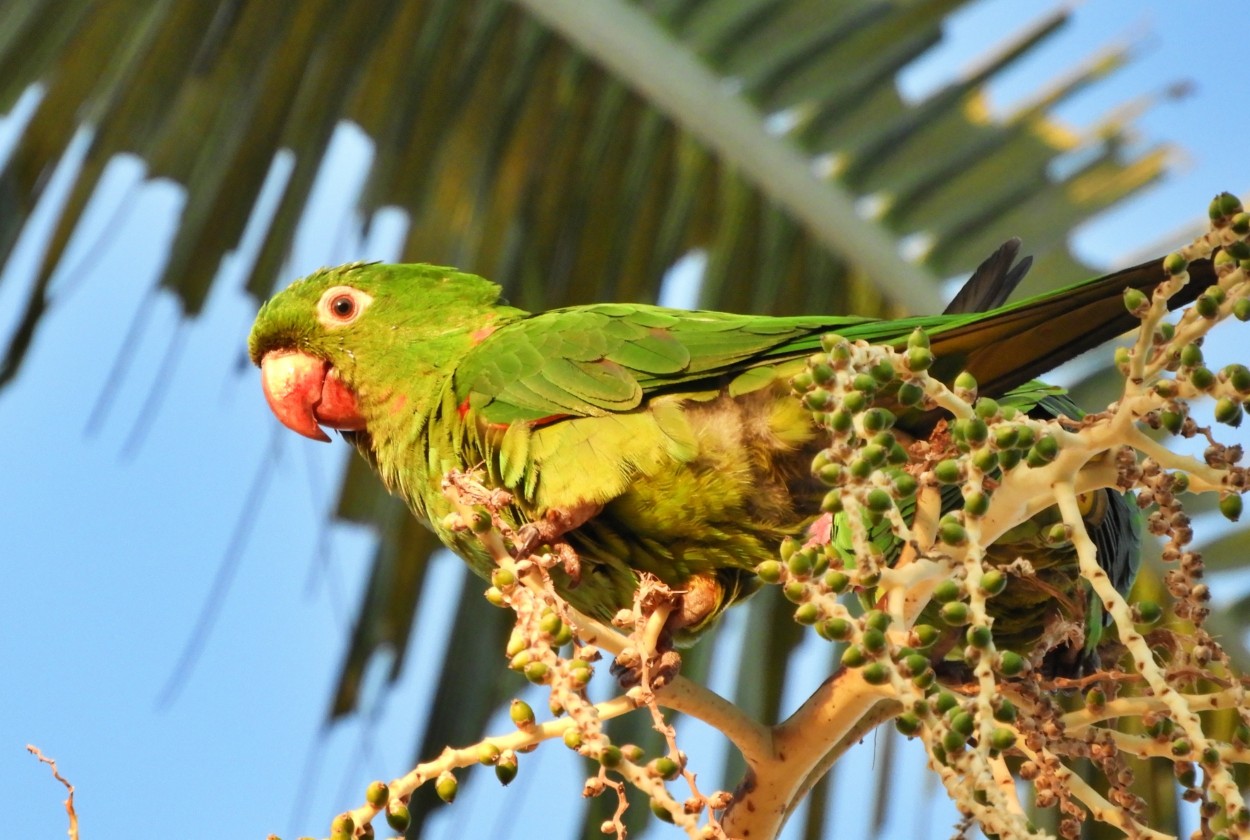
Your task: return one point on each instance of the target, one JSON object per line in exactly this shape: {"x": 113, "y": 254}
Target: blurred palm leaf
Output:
{"x": 573, "y": 152}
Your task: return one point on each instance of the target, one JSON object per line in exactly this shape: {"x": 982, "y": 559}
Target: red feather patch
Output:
{"x": 550, "y": 418}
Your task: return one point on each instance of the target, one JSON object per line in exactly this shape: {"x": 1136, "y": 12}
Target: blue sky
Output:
{"x": 116, "y": 529}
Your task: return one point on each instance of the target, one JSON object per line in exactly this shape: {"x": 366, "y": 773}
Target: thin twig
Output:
{"x": 69, "y": 802}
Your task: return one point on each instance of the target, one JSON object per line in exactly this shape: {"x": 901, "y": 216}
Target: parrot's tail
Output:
{"x": 1011, "y": 345}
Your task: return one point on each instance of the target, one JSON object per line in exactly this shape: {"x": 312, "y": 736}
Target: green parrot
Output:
{"x": 652, "y": 439}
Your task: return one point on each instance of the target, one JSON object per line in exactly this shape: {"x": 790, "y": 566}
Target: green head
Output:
{"x": 337, "y": 344}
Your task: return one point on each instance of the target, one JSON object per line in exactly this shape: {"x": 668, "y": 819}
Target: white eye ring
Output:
{"x": 342, "y": 305}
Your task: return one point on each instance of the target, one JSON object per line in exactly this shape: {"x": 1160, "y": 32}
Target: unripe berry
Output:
{"x": 993, "y": 582}
{"x": 342, "y": 827}
{"x": 1135, "y": 301}
{"x": 1010, "y": 663}
{"x": 947, "y": 590}
{"x": 1148, "y": 612}
{"x": 908, "y": 724}
{"x": 377, "y": 794}
{"x": 398, "y": 817}
{"x": 955, "y": 613}
{"x": 521, "y": 713}
{"x": 1002, "y": 738}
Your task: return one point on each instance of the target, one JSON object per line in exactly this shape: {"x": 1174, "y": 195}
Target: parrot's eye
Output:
{"x": 341, "y": 305}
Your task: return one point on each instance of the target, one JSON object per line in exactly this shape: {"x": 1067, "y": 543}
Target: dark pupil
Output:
{"x": 342, "y": 306}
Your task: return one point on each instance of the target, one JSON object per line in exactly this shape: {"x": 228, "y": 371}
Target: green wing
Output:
{"x": 590, "y": 361}
{"x": 593, "y": 360}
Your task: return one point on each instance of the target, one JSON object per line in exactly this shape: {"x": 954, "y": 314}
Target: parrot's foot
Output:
{"x": 1070, "y": 662}
{"x": 547, "y": 531}
{"x": 569, "y": 561}
{"x": 666, "y": 613}
{"x": 629, "y": 670}
{"x": 650, "y": 660}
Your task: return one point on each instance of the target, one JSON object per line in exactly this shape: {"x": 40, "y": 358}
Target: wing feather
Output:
{"x": 593, "y": 360}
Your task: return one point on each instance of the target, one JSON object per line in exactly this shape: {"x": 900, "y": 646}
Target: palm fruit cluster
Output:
{"x": 858, "y": 392}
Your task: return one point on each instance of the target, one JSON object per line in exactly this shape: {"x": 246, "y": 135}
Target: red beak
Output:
{"x": 305, "y": 392}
